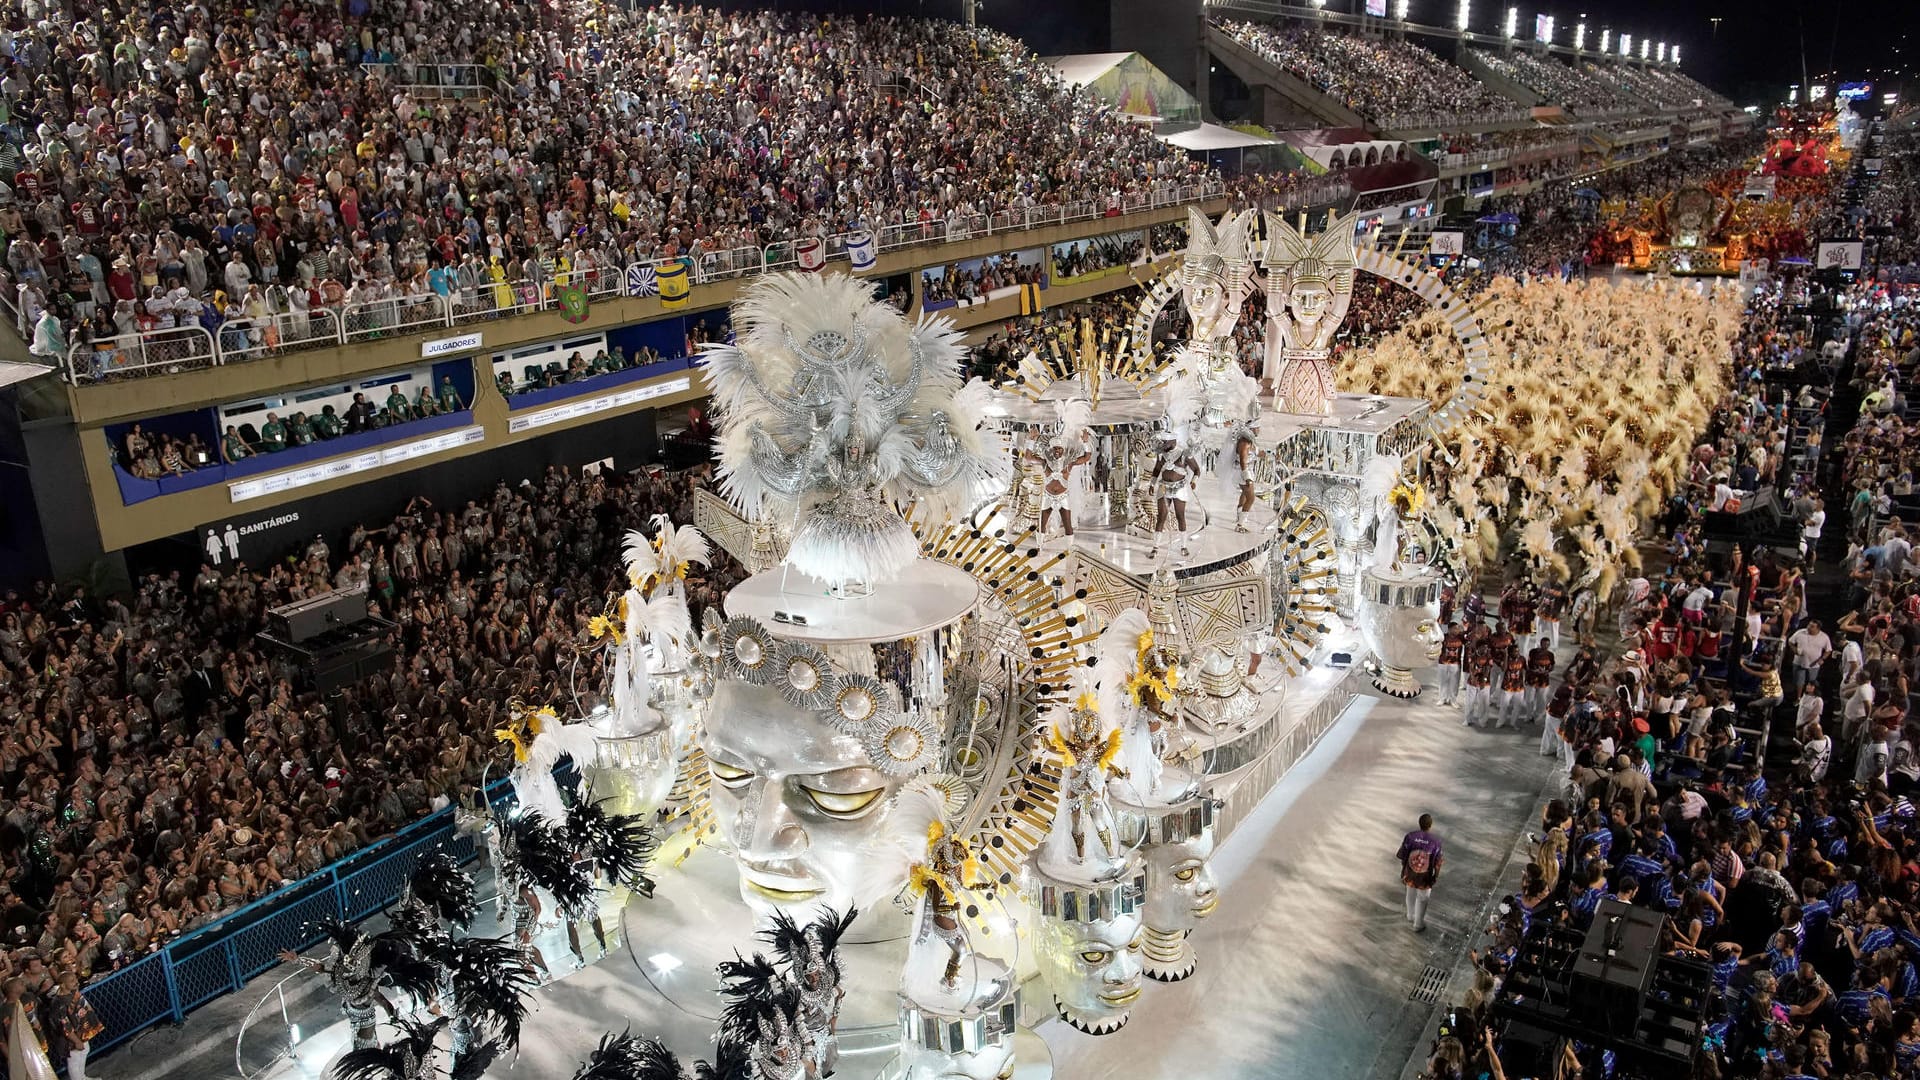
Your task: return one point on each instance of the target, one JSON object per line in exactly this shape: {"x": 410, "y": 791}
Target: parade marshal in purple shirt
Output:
{"x": 1419, "y": 869}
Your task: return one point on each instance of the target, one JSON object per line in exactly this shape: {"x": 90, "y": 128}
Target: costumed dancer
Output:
{"x": 811, "y": 955}
{"x": 1479, "y": 683}
{"x": 1087, "y": 751}
{"x": 358, "y": 965}
{"x": 482, "y": 982}
{"x": 1452, "y": 647}
{"x": 415, "y": 1055}
{"x": 1065, "y": 455}
{"x": 633, "y": 1057}
{"x": 1241, "y": 459}
{"x": 764, "y": 1012}
{"x": 1540, "y": 661}
{"x": 1172, "y": 470}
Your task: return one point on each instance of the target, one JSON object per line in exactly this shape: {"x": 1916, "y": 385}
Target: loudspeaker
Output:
{"x": 306, "y": 619}
{"x": 1340, "y": 661}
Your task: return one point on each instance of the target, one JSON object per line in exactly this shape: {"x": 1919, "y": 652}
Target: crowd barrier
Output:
{"x": 218, "y": 959}
{"x": 191, "y": 346}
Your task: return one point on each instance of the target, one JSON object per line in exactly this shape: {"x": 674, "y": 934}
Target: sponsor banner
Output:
{"x": 273, "y": 483}
{"x": 588, "y": 406}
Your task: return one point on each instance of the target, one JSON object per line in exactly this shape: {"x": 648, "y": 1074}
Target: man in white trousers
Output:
{"x": 1452, "y": 645}
{"x": 1419, "y": 870}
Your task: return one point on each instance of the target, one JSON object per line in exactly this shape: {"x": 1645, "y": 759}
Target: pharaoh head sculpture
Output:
{"x": 1216, "y": 273}
{"x": 1309, "y": 280}
{"x": 1087, "y": 946}
{"x": 805, "y": 760}
{"x": 1179, "y": 886}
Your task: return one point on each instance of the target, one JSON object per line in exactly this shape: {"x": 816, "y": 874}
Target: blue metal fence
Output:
{"x": 220, "y": 958}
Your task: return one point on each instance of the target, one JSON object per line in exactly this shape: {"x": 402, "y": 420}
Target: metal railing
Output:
{"x": 220, "y": 958}
{"x": 601, "y": 276}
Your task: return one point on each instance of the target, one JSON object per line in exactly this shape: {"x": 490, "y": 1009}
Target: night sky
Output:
{"x": 1757, "y": 46}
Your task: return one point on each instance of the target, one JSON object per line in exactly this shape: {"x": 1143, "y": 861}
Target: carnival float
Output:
{"x": 1013, "y": 662}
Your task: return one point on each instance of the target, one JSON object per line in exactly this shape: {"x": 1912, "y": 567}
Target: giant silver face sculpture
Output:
{"x": 799, "y": 802}
{"x": 1088, "y": 948}
{"x": 1180, "y": 890}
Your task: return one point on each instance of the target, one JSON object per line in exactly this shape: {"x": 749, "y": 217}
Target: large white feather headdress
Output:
{"x": 834, "y": 409}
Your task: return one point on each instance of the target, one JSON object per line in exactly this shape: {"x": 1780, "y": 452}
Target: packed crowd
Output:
{"x": 1393, "y": 83}
{"x": 1788, "y": 874}
{"x": 964, "y": 283}
{"x": 160, "y": 770}
{"x": 1084, "y": 257}
{"x": 1521, "y": 139}
{"x": 222, "y": 161}
{"x": 1559, "y": 83}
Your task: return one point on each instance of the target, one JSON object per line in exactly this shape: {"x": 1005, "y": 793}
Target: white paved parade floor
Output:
{"x": 1306, "y": 969}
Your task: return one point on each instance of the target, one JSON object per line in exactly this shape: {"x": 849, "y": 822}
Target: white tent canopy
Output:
{"x": 1214, "y": 137}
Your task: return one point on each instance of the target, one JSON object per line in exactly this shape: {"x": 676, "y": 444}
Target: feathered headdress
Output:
{"x": 1075, "y": 416}
{"x": 630, "y": 1057}
{"x": 665, "y": 559}
{"x": 835, "y": 409}
{"x": 1116, "y": 658}
{"x": 491, "y": 979}
{"x": 410, "y": 1057}
{"x": 532, "y": 775}
{"x": 445, "y": 889}
{"x": 538, "y": 854}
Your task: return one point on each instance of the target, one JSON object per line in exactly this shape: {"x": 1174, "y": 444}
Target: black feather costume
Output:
{"x": 619, "y": 845}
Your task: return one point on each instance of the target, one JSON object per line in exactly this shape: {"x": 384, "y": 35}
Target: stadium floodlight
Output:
{"x": 1646, "y": 46}
{"x": 1579, "y": 37}
{"x": 1543, "y": 29}
{"x": 1400, "y": 9}
{"x": 1626, "y": 46}
{"x": 1319, "y": 3}
{"x": 1606, "y": 39}
{"x": 1660, "y": 52}
{"x": 1513, "y": 22}
{"x": 1462, "y": 16}
{"x": 1676, "y": 56}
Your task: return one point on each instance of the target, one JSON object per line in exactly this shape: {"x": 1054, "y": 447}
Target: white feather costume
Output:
{"x": 834, "y": 410}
